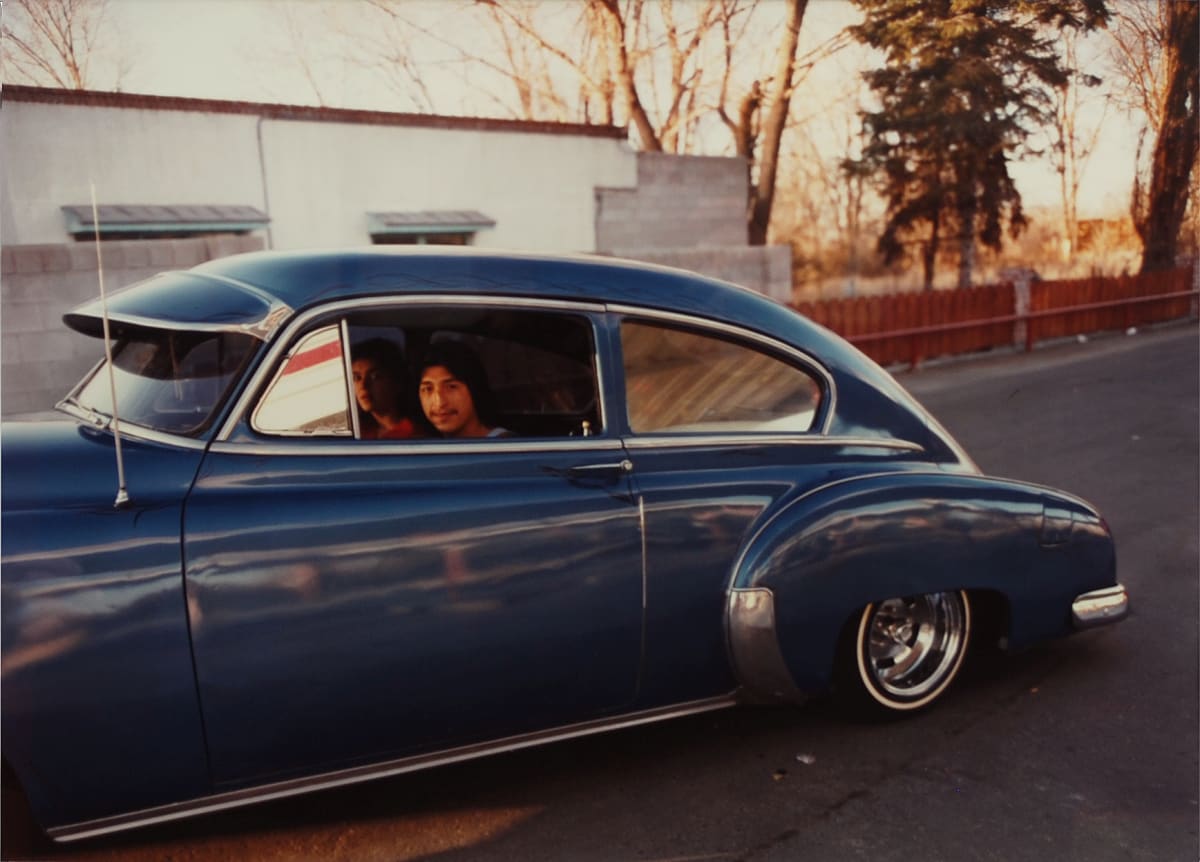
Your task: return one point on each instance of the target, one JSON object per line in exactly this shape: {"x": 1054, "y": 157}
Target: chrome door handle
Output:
{"x": 625, "y": 466}
{"x": 591, "y": 471}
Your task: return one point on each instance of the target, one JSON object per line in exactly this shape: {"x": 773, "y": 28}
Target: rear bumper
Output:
{"x": 1100, "y": 607}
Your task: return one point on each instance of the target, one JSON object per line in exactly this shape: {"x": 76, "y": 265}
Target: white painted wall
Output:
{"x": 316, "y": 179}
{"x": 323, "y": 178}
{"x": 50, "y": 153}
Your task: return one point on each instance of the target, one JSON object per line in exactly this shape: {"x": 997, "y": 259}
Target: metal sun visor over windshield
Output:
{"x": 180, "y": 344}
{"x": 182, "y": 300}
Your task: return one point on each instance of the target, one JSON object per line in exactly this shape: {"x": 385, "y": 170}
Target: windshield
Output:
{"x": 169, "y": 381}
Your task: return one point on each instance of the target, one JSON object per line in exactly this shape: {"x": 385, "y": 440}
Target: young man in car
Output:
{"x": 455, "y": 394}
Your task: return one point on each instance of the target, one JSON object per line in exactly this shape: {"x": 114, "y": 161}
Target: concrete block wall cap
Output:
{"x": 113, "y": 256}
{"x": 27, "y": 259}
{"x": 187, "y": 252}
{"x": 136, "y": 255}
{"x": 161, "y": 254}
{"x": 717, "y": 247}
{"x": 83, "y": 255}
{"x": 56, "y": 258}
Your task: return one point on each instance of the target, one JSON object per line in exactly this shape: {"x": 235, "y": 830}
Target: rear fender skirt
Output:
{"x": 817, "y": 562}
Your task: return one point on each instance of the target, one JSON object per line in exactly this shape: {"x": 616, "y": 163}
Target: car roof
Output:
{"x": 257, "y": 292}
{"x": 300, "y": 279}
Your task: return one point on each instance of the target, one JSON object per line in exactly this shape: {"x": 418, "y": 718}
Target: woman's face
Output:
{"x": 374, "y": 387}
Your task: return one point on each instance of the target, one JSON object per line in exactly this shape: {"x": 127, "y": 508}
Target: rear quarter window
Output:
{"x": 684, "y": 381}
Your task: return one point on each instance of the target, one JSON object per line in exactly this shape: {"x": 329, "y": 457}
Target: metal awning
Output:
{"x": 156, "y": 218}
{"x": 427, "y": 221}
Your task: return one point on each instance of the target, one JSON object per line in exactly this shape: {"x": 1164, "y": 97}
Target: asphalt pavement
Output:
{"x": 1084, "y": 749}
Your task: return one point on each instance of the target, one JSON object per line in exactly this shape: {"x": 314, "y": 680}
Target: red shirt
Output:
{"x": 401, "y": 431}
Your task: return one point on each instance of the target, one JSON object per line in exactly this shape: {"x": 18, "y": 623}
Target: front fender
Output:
{"x": 828, "y": 554}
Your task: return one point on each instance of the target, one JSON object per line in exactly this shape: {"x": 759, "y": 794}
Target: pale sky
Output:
{"x": 240, "y": 49}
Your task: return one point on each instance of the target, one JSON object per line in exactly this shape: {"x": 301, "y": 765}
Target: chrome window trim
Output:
{"x": 348, "y": 371}
{"x": 355, "y": 775}
{"x": 82, "y": 382}
{"x": 305, "y": 435}
{"x": 678, "y": 441}
{"x": 244, "y": 404}
{"x": 413, "y": 447}
{"x": 808, "y": 361}
{"x": 129, "y": 429}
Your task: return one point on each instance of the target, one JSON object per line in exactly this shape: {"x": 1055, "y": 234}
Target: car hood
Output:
{"x": 61, "y": 463}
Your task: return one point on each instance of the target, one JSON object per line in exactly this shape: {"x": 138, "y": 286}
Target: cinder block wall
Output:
{"x": 42, "y": 359}
{"x": 679, "y": 201}
{"x": 766, "y": 269}
{"x": 690, "y": 212}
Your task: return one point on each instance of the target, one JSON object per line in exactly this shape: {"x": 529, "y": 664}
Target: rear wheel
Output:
{"x": 907, "y": 651}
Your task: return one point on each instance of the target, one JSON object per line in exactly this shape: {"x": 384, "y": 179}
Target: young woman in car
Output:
{"x": 379, "y": 386}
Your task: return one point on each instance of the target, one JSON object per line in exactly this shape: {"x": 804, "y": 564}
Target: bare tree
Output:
{"x": 1072, "y": 141}
{"x": 829, "y": 214}
{"x": 389, "y": 53}
{"x": 675, "y": 72}
{"x": 1154, "y": 54}
{"x": 762, "y": 114}
{"x": 53, "y": 42}
{"x": 1178, "y": 142}
{"x": 529, "y": 57}
{"x": 297, "y": 26}
{"x": 762, "y": 195}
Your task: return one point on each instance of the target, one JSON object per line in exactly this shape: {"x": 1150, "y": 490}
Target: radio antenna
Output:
{"x": 122, "y": 492}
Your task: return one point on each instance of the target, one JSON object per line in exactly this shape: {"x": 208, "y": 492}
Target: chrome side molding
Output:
{"x": 1100, "y": 607}
{"x": 296, "y": 786}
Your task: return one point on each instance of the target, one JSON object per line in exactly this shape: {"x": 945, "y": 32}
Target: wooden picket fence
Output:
{"x": 911, "y": 327}
{"x": 1110, "y": 303}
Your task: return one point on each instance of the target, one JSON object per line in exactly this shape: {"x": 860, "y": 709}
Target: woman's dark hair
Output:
{"x": 388, "y": 356}
{"x": 461, "y": 361}
{"x": 384, "y": 353}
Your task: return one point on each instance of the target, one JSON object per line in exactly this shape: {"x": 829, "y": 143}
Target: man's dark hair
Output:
{"x": 461, "y": 361}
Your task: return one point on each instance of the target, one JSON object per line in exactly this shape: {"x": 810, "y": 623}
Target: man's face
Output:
{"x": 448, "y": 405}
{"x": 373, "y": 387}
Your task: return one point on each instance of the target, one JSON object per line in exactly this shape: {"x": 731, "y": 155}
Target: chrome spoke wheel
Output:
{"x": 910, "y": 649}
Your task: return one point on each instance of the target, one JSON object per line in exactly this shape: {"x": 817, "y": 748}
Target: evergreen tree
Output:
{"x": 964, "y": 86}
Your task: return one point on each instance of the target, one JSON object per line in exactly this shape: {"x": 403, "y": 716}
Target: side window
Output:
{"x": 524, "y": 373}
{"x": 308, "y": 396}
{"x": 497, "y": 372}
{"x": 680, "y": 381}
{"x": 545, "y": 389}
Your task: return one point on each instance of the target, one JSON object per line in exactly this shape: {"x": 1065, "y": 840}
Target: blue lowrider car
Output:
{"x": 222, "y": 591}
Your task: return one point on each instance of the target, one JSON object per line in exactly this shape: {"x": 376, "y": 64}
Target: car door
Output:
{"x": 353, "y": 601}
{"x": 721, "y": 426}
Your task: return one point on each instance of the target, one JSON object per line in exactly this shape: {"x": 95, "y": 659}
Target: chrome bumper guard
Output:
{"x": 1100, "y": 607}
